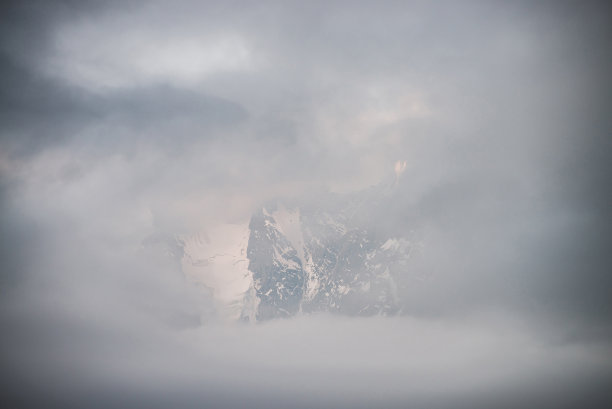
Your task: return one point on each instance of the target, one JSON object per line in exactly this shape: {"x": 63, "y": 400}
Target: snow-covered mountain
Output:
{"x": 324, "y": 256}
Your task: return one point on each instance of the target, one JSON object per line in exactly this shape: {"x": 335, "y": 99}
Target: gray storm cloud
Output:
{"x": 123, "y": 125}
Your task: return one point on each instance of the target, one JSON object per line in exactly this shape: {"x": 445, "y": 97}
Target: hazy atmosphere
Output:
{"x": 242, "y": 204}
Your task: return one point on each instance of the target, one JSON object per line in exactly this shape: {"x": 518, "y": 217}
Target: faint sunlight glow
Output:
{"x": 399, "y": 168}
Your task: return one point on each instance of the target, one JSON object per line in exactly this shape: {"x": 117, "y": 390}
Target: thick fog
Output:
{"x": 123, "y": 121}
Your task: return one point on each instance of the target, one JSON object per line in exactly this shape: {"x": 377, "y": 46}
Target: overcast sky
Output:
{"x": 121, "y": 121}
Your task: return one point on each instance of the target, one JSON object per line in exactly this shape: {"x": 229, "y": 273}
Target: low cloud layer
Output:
{"x": 315, "y": 361}
{"x": 120, "y": 123}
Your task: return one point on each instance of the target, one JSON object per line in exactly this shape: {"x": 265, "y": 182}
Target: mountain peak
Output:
{"x": 292, "y": 259}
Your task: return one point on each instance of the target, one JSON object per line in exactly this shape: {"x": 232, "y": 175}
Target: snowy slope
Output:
{"x": 217, "y": 260}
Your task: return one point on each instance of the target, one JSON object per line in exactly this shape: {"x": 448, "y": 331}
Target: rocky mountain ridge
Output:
{"x": 324, "y": 256}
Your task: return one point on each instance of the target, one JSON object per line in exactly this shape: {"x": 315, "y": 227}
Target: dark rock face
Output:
{"x": 324, "y": 260}
{"x": 277, "y": 271}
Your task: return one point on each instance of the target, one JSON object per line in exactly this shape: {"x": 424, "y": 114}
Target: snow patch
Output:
{"x": 217, "y": 259}
{"x": 288, "y": 223}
